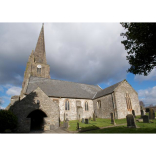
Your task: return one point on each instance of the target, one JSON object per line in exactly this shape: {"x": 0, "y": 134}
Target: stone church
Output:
{"x": 44, "y": 102}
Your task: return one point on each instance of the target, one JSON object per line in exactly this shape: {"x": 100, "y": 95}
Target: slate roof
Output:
{"x": 58, "y": 88}
{"x": 106, "y": 91}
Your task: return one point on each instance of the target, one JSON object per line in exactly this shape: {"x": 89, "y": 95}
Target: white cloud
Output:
{"x": 13, "y": 91}
{"x": 1, "y": 89}
{"x": 148, "y": 96}
{"x": 151, "y": 76}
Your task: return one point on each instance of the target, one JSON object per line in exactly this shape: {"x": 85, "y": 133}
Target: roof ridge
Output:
{"x": 64, "y": 81}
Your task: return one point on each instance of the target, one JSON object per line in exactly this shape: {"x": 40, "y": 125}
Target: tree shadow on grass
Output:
{"x": 88, "y": 128}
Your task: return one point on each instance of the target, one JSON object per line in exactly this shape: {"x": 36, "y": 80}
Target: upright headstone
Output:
{"x": 65, "y": 124}
{"x": 142, "y": 113}
{"x": 145, "y": 118}
{"x": 112, "y": 119}
{"x": 86, "y": 121}
{"x": 94, "y": 117}
{"x": 83, "y": 120}
{"x": 130, "y": 121}
{"x": 151, "y": 113}
{"x": 77, "y": 126}
{"x": 79, "y": 119}
{"x": 64, "y": 117}
{"x": 133, "y": 112}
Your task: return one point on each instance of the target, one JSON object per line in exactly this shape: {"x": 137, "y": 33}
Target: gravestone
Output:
{"x": 142, "y": 113}
{"x": 112, "y": 119}
{"x": 82, "y": 120}
{"x": 94, "y": 117}
{"x": 79, "y": 119}
{"x": 151, "y": 113}
{"x": 77, "y": 126}
{"x": 65, "y": 124}
{"x": 130, "y": 121}
{"x": 133, "y": 112}
{"x": 64, "y": 116}
{"x": 86, "y": 121}
{"x": 145, "y": 118}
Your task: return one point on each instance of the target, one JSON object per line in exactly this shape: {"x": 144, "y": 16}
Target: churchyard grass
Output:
{"x": 94, "y": 124}
{"x": 141, "y": 128}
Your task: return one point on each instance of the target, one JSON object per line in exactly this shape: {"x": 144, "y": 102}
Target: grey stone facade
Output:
{"x": 47, "y": 98}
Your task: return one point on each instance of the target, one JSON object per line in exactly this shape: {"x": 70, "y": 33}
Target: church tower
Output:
{"x": 37, "y": 64}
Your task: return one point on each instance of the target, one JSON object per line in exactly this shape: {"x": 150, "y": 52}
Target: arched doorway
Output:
{"x": 37, "y": 121}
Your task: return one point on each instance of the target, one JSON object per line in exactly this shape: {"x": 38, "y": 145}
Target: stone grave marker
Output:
{"x": 83, "y": 120}
{"x": 86, "y": 121}
{"x": 79, "y": 119}
{"x": 65, "y": 124}
{"x": 94, "y": 117}
{"x": 77, "y": 126}
{"x": 130, "y": 121}
{"x": 112, "y": 119}
{"x": 151, "y": 113}
{"x": 145, "y": 118}
{"x": 133, "y": 112}
{"x": 142, "y": 113}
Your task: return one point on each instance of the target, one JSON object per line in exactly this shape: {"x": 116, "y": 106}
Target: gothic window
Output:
{"x": 67, "y": 105}
{"x": 99, "y": 104}
{"x": 128, "y": 101}
{"x": 86, "y": 106}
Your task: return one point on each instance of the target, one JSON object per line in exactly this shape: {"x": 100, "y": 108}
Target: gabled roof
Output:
{"x": 58, "y": 88}
{"x": 106, "y": 91}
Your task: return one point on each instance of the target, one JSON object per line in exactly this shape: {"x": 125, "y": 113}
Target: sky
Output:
{"x": 89, "y": 53}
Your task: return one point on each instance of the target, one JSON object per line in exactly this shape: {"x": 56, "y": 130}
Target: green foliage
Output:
{"x": 7, "y": 120}
{"x": 140, "y": 44}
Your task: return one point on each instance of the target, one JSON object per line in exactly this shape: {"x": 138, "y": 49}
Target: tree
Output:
{"x": 141, "y": 103}
{"x": 140, "y": 44}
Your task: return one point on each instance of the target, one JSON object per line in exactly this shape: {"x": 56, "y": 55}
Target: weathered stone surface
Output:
{"x": 145, "y": 118}
{"x": 151, "y": 113}
{"x": 133, "y": 112}
{"x": 83, "y": 120}
{"x": 130, "y": 121}
{"x": 142, "y": 113}
{"x": 28, "y": 104}
{"x": 86, "y": 121}
{"x": 112, "y": 119}
{"x": 94, "y": 117}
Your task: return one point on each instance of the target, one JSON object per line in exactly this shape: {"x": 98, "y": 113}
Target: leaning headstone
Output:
{"x": 145, "y": 118}
{"x": 142, "y": 113}
{"x": 112, "y": 119}
{"x": 82, "y": 120}
{"x": 77, "y": 126}
{"x": 133, "y": 112}
{"x": 151, "y": 113}
{"x": 94, "y": 117}
{"x": 86, "y": 121}
{"x": 130, "y": 121}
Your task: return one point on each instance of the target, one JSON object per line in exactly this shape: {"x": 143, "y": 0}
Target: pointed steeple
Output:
{"x": 39, "y": 54}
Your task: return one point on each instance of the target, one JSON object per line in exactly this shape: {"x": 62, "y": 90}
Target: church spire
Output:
{"x": 39, "y": 54}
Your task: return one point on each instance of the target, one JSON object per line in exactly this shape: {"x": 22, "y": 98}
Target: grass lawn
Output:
{"x": 95, "y": 125}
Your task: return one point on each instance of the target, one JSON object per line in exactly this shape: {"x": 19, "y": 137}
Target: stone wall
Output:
{"x": 28, "y": 104}
{"x": 72, "y": 113}
{"x": 106, "y": 106}
{"x": 120, "y": 93}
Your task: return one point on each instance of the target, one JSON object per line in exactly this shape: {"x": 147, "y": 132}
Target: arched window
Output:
{"x": 67, "y": 107}
{"x": 39, "y": 70}
{"x": 86, "y": 106}
{"x": 128, "y": 101}
{"x": 98, "y": 104}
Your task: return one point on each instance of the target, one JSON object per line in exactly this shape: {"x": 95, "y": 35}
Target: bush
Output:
{"x": 7, "y": 120}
